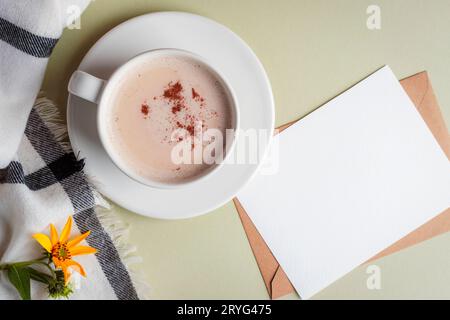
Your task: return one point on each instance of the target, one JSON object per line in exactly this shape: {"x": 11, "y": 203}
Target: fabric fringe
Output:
{"x": 51, "y": 116}
{"x": 116, "y": 228}
{"x": 119, "y": 233}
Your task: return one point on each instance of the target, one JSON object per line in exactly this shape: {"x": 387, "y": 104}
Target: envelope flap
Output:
{"x": 267, "y": 263}
{"x": 419, "y": 89}
{"x": 281, "y": 285}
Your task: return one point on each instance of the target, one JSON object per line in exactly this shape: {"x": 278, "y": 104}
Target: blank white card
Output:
{"x": 354, "y": 177}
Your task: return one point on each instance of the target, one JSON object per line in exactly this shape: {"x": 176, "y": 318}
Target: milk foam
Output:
{"x": 157, "y": 97}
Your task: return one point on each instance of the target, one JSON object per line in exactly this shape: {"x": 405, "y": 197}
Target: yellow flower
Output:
{"x": 62, "y": 250}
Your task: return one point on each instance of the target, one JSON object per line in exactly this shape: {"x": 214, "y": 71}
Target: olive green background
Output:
{"x": 312, "y": 50}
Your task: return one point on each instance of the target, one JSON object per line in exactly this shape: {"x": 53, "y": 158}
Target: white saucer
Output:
{"x": 228, "y": 53}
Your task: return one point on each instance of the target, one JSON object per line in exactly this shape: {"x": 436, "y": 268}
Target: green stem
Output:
{"x": 49, "y": 268}
{"x": 5, "y": 266}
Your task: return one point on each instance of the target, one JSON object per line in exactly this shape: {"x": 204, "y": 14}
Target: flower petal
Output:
{"x": 66, "y": 231}
{"x": 44, "y": 241}
{"x": 53, "y": 234}
{"x": 76, "y": 266}
{"x": 82, "y": 250}
{"x": 66, "y": 274}
{"x": 77, "y": 240}
{"x": 57, "y": 262}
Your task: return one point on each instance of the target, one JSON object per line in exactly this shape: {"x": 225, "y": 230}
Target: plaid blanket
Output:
{"x": 44, "y": 183}
{"x": 41, "y": 180}
{"x": 29, "y": 30}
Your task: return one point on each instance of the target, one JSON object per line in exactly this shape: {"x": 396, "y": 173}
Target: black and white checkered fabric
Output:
{"x": 29, "y": 31}
{"x": 41, "y": 180}
{"x": 45, "y": 174}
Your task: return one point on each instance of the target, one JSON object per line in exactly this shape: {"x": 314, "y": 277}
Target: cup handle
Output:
{"x": 86, "y": 86}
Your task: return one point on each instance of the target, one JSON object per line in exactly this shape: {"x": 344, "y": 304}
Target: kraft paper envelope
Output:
{"x": 419, "y": 89}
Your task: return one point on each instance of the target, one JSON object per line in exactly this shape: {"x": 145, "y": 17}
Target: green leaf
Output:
{"x": 20, "y": 278}
{"x": 39, "y": 276}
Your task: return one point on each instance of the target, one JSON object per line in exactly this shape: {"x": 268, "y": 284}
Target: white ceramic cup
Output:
{"x": 100, "y": 91}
